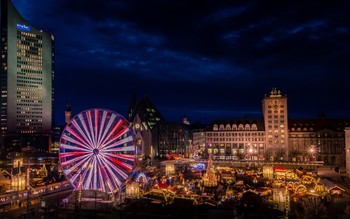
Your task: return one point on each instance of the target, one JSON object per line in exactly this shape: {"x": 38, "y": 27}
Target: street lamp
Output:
{"x": 312, "y": 152}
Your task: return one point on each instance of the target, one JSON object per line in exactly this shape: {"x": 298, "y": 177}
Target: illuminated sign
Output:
{"x": 199, "y": 166}
{"x": 23, "y": 27}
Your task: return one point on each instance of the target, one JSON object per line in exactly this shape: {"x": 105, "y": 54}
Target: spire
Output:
{"x": 131, "y": 106}
{"x": 275, "y": 93}
{"x": 185, "y": 120}
{"x": 68, "y": 114}
{"x": 68, "y": 108}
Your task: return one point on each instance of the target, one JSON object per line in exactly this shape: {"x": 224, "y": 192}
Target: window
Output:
{"x": 254, "y": 127}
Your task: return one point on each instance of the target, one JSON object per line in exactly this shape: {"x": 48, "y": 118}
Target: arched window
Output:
{"x": 221, "y": 128}
{"x": 240, "y": 127}
{"x": 228, "y": 127}
{"x": 215, "y": 127}
{"x": 247, "y": 127}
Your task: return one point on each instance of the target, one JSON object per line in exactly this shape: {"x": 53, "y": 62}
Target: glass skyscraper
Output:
{"x": 26, "y": 79}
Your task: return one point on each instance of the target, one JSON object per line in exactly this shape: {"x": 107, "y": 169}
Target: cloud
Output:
{"x": 208, "y": 58}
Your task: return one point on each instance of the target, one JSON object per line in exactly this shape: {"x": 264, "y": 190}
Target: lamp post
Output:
{"x": 28, "y": 185}
{"x": 312, "y": 151}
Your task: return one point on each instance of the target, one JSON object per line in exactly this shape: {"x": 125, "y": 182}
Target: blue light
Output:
{"x": 199, "y": 166}
{"x": 23, "y": 27}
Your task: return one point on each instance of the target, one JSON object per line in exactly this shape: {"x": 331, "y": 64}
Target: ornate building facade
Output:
{"x": 318, "y": 139}
{"x": 236, "y": 140}
{"x": 275, "y": 137}
{"x": 347, "y": 149}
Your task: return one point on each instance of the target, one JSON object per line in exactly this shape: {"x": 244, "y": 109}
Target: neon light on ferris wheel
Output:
{"x": 97, "y": 151}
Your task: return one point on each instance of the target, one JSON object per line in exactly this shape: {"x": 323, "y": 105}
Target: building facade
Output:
{"x": 236, "y": 140}
{"x": 318, "y": 139}
{"x": 175, "y": 138}
{"x": 275, "y": 113}
{"x": 275, "y": 137}
{"x": 26, "y": 81}
{"x": 347, "y": 149}
{"x": 144, "y": 118}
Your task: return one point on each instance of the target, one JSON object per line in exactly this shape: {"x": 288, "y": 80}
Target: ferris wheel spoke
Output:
{"x": 81, "y": 132}
{"x": 99, "y": 127}
{"x": 122, "y": 156}
{"x": 71, "y": 154}
{"x": 103, "y": 174}
{"x": 102, "y": 127}
{"x": 101, "y": 179}
{"x": 73, "y": 147}
{"x": 120, "y": 163}
{"x": 92, "y": 168}
{"x": 71, "y": 131}
{"x": 96, "y": 167}
{"x": 115, "y": 128}
{"x": 115, "y": 169}
{"x": 75, "y": 176}
{"x": 91, "y": 128}
{"x": 108, "y": 172}
{"x": 119, "y": 134}
{"x": 92, "y": 132}
{"x": 122, "y": 148}
{"x": 86, "y": 130}
{"x": 85, "y": 172}
{"x": 108, "y": 127}
{"x": 123, "y": 141}
{"x": 76, "y": 163}
{"x": 71, "y": 140}
{"x": 96, "y": 126}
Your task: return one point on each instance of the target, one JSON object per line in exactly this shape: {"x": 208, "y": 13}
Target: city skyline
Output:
{"x": 206, "y": 60}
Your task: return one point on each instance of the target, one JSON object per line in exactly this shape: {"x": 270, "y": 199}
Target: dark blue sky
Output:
{"x": 206, "y": 59}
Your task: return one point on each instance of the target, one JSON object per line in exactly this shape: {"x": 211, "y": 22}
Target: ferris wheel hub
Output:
{"x": 95, "y": 151}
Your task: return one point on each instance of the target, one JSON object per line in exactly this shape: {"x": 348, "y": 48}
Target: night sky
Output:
{"x": 206, "y": 59}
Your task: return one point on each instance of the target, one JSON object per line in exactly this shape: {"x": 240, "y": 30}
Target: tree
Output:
{"x": 310, "y": 207}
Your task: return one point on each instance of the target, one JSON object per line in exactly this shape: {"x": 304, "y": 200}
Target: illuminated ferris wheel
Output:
{"x": 97, "y": 151}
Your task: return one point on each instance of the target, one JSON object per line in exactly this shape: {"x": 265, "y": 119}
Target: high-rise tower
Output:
{"x": 26, "y": 80}
{"x": 275, "y": 112}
